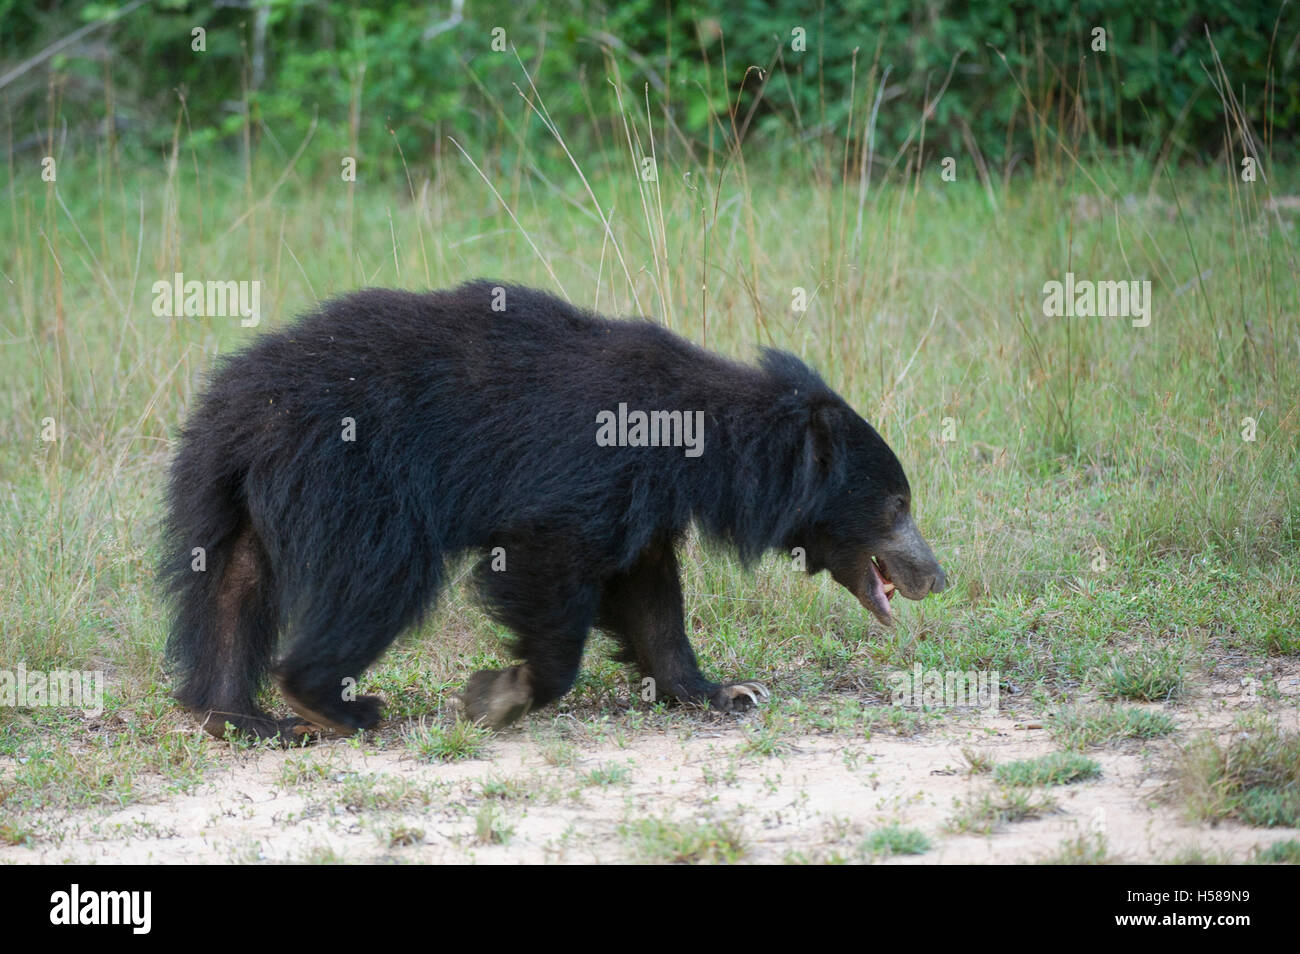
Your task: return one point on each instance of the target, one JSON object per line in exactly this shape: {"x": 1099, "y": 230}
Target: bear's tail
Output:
{"x": 216, "y": 570}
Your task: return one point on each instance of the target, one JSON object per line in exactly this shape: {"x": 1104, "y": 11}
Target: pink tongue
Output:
{"x": 878, "y": 587}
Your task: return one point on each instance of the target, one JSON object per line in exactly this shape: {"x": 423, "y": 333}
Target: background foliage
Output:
{"x": 367, "y": 72}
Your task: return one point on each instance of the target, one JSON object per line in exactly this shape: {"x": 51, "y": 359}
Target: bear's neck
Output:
{"x": 758, "y": 487}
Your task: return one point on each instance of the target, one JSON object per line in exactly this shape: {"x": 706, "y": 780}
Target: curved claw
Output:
{"x": 739, "y": 696}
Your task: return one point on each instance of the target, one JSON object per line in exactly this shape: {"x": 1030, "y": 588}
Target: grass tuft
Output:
{"x": 894, "y": 840}
{"x": 438, "y": 743}
{"x": 992, "y": 810}
{"x": 1056, "y": 768}
{"x": 1083, "y": 728}
{"x": 1252, "y": 776}
{"x": 1151, "y": 675}
{"x": 666, "y": 841}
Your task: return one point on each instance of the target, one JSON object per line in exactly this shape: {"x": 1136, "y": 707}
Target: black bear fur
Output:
{"x": 475, "y": 429}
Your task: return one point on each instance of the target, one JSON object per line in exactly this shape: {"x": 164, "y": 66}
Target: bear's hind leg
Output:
{"x": 222, "y": 642}
{"x": 335, "y": 645}
{"x": 324, "y": 693}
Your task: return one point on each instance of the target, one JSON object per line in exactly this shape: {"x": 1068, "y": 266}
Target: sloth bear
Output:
{"x": 331, "y": 468}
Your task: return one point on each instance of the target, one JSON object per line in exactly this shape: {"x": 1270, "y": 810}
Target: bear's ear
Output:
{"x": 820, "y": 441}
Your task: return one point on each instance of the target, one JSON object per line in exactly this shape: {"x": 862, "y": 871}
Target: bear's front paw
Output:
{"x": 740, "y": 696}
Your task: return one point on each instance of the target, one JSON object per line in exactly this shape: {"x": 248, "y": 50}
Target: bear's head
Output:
{"x": 862, "y": 529}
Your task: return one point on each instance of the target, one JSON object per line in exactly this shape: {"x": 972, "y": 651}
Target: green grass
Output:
{"x": 1150, "y": 675}
{"x": 508, "y": 789}
{"x": 992, "y": 810}
{"x": 62, "y": 777}
{"x": 404, "y": 837}
{"x": 1080, "y": 850}
{"x": 766, "y": 741}
{"x": 304, "y": 769}
{"x": 1280, "y": 853}
{"x": 1252, "y": 776}
{"x": 665, "y": 841}
{"x": 357, "y": 793}
{"x": 1196, "y": 855}
{"x": 895, "y": 840}
{"x": 490, "y": 827}
{"x": 979, "y": 763}
{"x": 1089, "y": 727}
{"x": 446, "y": 743}
{"x": 1056, "y": 768}
{"x": 608, "y": 775}
{"x": 12, "y": 833}
{"x": 322, "y": 855}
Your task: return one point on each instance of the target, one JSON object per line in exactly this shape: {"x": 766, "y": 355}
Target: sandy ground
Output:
{"x": 816, "y": 799}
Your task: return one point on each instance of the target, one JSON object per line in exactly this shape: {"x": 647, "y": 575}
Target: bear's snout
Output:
{"x": 939, "y": 582}
{"x": 910, "y": 563}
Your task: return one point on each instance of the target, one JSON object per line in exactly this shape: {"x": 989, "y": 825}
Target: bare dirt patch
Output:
{"x": 548, "y": 793}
